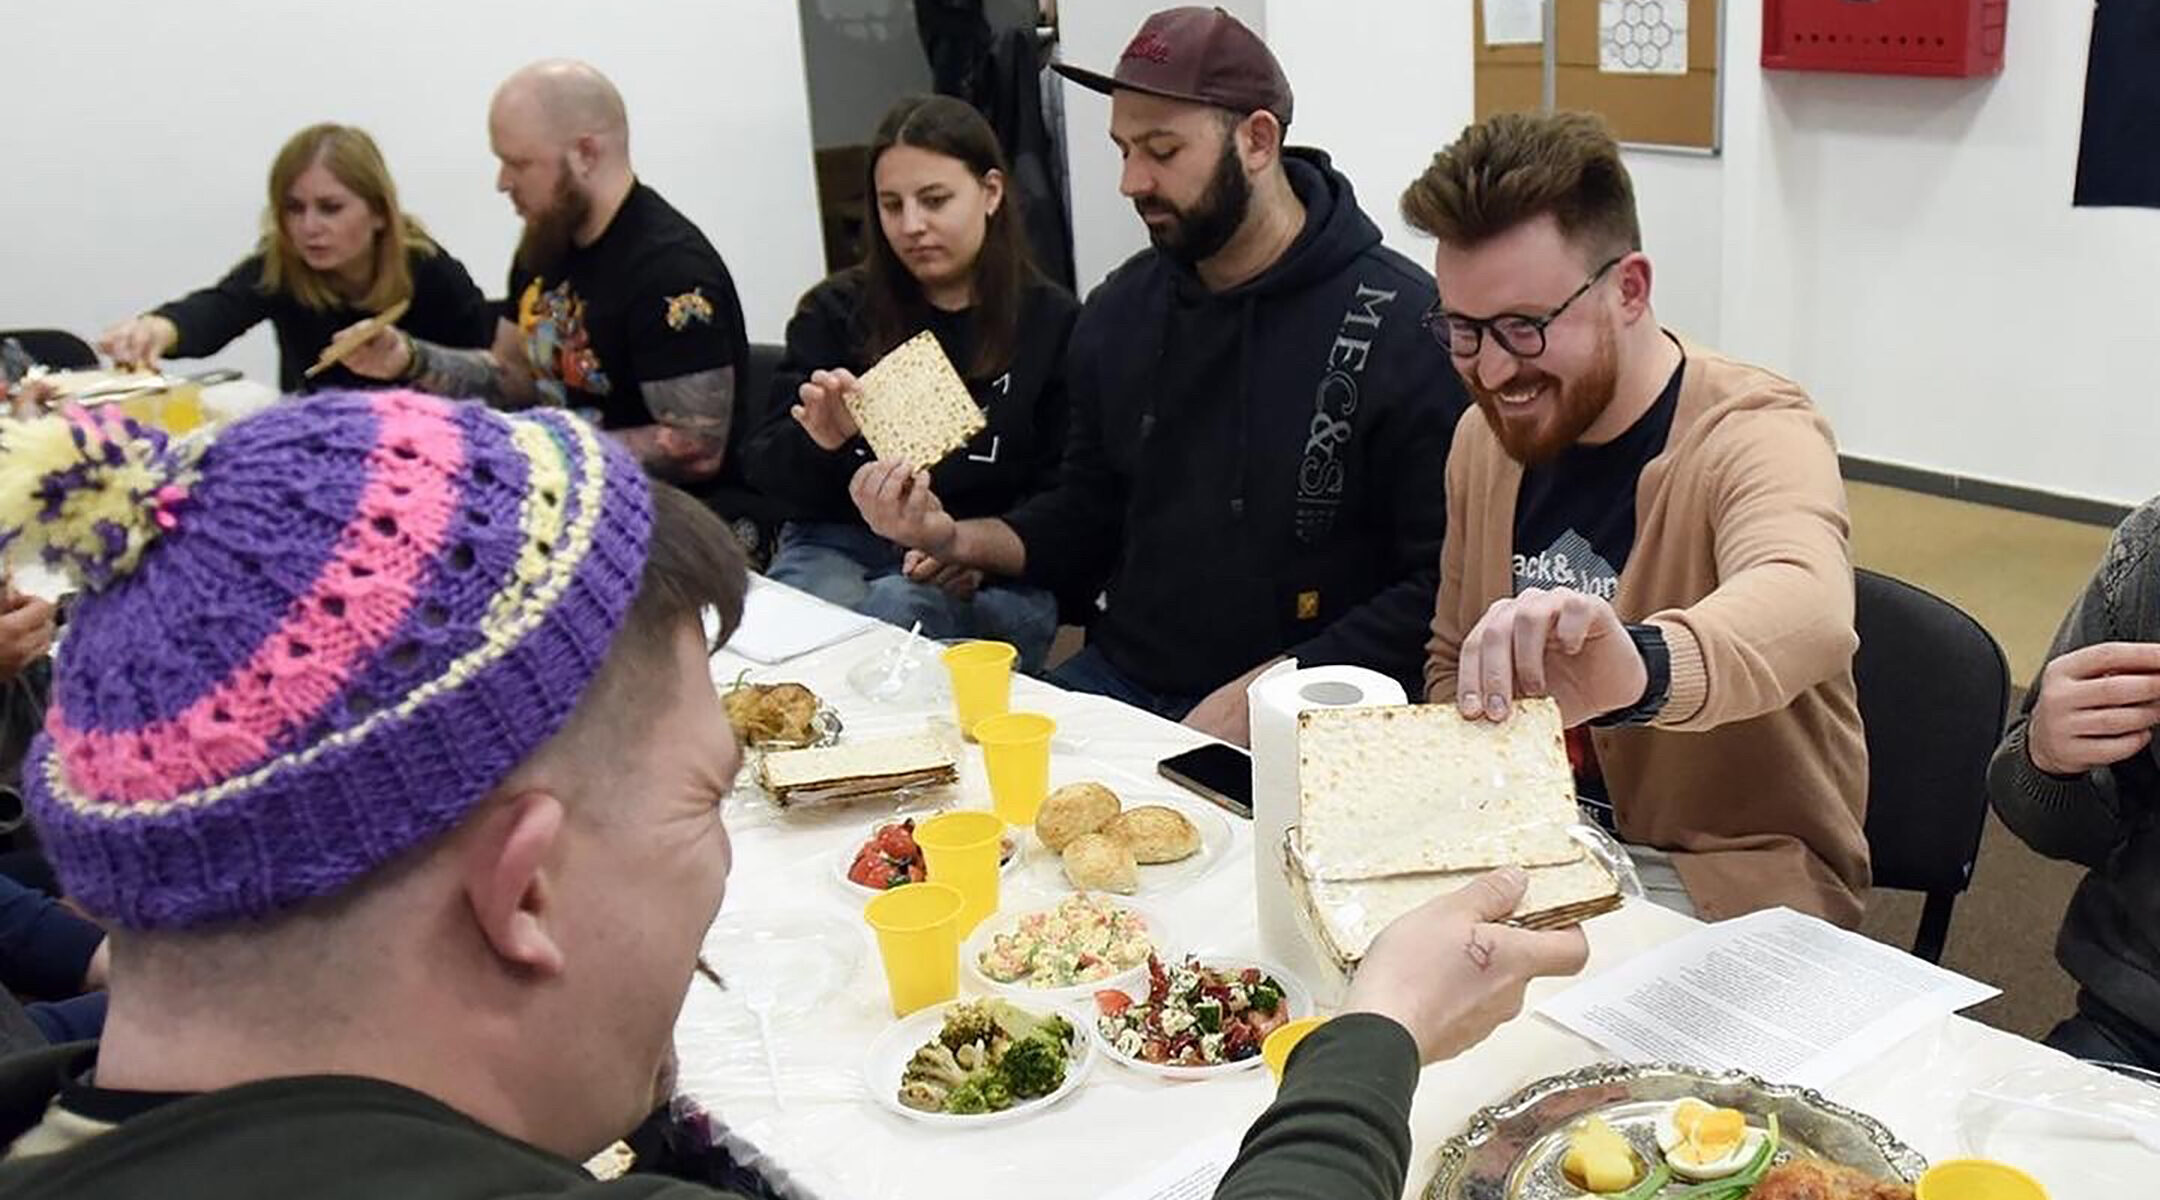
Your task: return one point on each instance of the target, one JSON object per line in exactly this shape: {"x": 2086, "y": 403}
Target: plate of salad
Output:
{"x": 978, "y": 1062}
{"x": 1197, "y": 1017}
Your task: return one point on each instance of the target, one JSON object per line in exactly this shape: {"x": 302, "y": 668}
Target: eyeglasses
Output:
{"x": 1519, "y": 334}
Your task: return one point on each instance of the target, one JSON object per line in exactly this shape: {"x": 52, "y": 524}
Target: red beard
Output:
{"x": 1580, "y": 403}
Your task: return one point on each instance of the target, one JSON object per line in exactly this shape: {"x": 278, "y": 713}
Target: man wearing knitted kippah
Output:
{"x": 340, "y": 749}
{"x": 405, "y": 891}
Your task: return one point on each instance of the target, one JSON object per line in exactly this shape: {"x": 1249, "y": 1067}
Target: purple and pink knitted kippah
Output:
{"x": 365, "y": 611}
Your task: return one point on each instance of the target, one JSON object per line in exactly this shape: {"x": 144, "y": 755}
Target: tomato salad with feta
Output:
{"x": 1193, "y": 1015}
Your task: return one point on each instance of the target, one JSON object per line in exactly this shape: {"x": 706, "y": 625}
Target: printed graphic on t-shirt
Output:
{"x": 1569, "y": 562}
{"x": 690, "y": 306}
{"x": 553, "y": 322}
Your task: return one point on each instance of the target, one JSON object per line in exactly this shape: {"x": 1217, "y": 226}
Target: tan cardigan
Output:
{"x": 1754, "y": 773}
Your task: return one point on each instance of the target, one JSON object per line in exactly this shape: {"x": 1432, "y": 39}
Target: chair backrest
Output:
{"x": 55, "y": 348}
{"x": 1934, "y": 690}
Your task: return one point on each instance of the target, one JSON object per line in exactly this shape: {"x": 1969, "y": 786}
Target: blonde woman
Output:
{"x": 335, "y": 249}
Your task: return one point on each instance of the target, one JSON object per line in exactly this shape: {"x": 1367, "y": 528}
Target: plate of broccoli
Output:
{"x": 978, "y": 1062}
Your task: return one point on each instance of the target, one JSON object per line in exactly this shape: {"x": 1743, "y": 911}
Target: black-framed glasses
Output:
{"x": 1519, "y": 334}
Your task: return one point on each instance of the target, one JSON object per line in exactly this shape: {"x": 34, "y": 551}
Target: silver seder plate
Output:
{"x": 1512, "y": 1150}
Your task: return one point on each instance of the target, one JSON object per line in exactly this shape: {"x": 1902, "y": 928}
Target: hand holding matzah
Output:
{"x": 1450, "y": 973}
{"x": 897, "y": 504}
{"x": 1401, "y": 804}
{"x": 822, "y": 408}
{"x": 1565, "y": 644}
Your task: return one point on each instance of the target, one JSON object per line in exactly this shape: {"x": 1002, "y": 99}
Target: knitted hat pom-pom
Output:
{"x": 89, "y": 489}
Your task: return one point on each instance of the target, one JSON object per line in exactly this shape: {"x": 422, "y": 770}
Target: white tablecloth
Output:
{"x": 834, "y": 1142}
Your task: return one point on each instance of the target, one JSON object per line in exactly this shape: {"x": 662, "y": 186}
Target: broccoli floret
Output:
{"x": 934, "y": 1065}
{"x": 970, "y": 1022}
{"x": 980, "y": 1094}
{"x": 1034, "y": 1065}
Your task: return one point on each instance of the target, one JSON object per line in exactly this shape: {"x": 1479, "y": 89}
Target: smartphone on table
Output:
{"x": 1222, "y": 774}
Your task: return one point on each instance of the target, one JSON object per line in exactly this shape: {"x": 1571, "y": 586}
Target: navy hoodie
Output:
{"x": 1290, "y": 503}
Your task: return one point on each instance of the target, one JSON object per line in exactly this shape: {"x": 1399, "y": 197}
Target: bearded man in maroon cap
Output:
{"x": 1259, "y": 423}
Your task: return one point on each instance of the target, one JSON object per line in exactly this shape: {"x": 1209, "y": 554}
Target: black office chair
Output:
{"x": 55, "y": 348}
{"x": 754, "y": 516}
{"x": 1934, "y": 690}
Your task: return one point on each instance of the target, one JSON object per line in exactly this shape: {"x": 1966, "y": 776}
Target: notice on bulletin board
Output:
{"x": 1514, "y": 22}
{"x": 1643, "y": 37}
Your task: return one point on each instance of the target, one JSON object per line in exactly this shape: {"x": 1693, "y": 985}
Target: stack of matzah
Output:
{"x": 852, "y": 770}
{"x": 913, "y": 406}
{"x": 1401, "y": 804}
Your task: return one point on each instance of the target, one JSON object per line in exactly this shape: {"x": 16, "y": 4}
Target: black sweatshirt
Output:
{"x": 447, "y": 309}
{"x": 1260, "y": 472}
{"x": 1014, "y": 457}
{"x": 1339, "y": 1128}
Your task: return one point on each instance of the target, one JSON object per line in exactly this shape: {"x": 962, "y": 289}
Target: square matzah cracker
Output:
{"x": 1412, "y": 788}
{"x": 913, "y": 407}
{"x": 1349, "y": 915}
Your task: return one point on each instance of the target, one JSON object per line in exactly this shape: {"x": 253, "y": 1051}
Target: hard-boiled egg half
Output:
{"x": 1701, "y": 1142}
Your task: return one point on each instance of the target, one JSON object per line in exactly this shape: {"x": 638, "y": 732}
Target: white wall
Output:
{"x": 1906, "y": 248}
{"x": 149, "y": 181}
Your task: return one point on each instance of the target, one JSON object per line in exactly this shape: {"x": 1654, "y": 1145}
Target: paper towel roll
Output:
{"x": 1274, "y": 700}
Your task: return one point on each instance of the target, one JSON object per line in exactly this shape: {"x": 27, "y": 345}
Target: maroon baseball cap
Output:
{"x": 1204, "y": 55}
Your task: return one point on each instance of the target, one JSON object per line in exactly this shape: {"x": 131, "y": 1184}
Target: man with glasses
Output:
{"x": 1644, "y": 530}
{"x": 1259, "y": 427}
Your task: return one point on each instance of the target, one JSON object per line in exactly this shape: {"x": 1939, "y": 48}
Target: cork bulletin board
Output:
{"x": 1649, "y": 67}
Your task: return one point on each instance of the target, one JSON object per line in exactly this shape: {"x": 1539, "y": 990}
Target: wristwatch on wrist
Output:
{"x": 1657, "y": 686}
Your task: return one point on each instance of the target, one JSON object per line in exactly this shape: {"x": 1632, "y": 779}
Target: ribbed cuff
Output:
{"x": 2049, "y": 792}
{"x": 1689, "y": 687}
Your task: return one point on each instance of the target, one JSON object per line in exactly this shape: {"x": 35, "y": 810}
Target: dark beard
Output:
{"x": 550, "y": 235}
{"x": 1200, "y": 232}
{"x": 1582, "y": 402}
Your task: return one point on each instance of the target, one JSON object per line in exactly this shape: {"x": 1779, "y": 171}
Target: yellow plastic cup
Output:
{"x": 1016, "y": 751}
{"x": 981, "y": 681}
{"x": 960, "y": 849}
{"x": 1275, "y": 1051}
{"x": 918, "y": 937}
{"x": 1977, "y": 1179}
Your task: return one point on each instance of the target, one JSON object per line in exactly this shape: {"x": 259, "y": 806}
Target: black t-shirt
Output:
{"x": 1575, "y": 515}
{"x": 447, "y": 309}
{"x": 648, "y": 300}
{"x": 1574, "y": 527}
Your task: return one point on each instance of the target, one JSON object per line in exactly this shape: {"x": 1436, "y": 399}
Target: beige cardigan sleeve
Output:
{"x": 1443, "y": 650}
{"x": 1780, "y": 620}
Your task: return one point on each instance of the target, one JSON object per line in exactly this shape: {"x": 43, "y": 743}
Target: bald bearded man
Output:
{"x": 622, "y": 309}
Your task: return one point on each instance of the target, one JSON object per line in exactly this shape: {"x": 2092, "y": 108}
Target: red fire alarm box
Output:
{"x": 1885, "y": 37}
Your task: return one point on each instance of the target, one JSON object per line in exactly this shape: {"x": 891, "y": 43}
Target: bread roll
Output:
{"x": 1072, "y": 810}
{"x": 1155, "y": 833}
{"x": 1095, "y": 863}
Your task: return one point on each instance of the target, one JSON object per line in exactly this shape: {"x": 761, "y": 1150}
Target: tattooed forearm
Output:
{"x": 672, "y": 454}
{"x": 691, "y": 414}
{"x": 468, "y": 374}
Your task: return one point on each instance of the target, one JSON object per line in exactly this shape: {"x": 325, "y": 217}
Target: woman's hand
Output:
{"x": 139, "y": 342}
{"x": 823, "y": 411}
